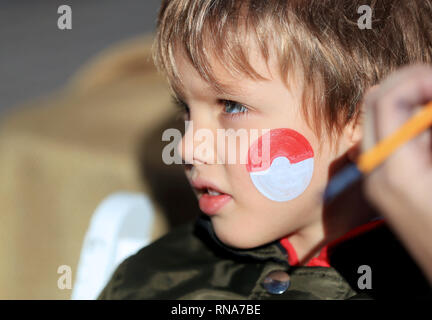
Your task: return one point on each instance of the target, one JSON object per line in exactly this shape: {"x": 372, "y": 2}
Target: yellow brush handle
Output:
{"x": 381, "y": 151}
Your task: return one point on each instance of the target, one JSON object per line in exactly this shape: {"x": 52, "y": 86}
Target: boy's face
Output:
{"x": 246, "y": 218}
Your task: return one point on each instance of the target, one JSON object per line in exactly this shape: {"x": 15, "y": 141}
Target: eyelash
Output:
{"x": 237, "y": 114}
{"x": 184, "y": 109}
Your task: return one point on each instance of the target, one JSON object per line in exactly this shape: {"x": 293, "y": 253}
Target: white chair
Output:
{"x": 121, "y": 225}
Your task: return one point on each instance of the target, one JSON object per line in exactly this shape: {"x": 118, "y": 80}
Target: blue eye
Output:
{"x": 233, "y": 108}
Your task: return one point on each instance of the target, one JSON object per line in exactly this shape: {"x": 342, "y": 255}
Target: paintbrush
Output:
{"x": 372, "y": 158}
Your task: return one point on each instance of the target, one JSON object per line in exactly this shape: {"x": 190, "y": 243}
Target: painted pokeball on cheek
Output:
{"x": 280, "y": 164}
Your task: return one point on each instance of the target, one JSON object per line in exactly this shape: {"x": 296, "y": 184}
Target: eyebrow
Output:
{"x": 224, "y": 90}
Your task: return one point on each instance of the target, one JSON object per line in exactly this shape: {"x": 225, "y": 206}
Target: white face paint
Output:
{"x": 284, "y": 181}
{"x": 284, "y": 170}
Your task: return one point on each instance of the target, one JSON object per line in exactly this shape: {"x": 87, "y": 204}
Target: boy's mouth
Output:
{"x": 213, "y": 193}
{"x": 204, "y": 186}
{"x": 209, "y": 191}
{"x": 211, "y": 198}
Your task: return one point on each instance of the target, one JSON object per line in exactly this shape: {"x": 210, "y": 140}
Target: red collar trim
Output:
{"x": 322, "y": 260}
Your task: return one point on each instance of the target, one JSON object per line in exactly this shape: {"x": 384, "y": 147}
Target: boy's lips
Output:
{"x": 211, "y": 198}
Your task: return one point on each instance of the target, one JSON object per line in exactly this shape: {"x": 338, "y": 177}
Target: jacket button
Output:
{"x": 276, "y": 282}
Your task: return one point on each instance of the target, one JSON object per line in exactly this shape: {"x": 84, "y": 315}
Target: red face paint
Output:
{"x": 280, "y": 164}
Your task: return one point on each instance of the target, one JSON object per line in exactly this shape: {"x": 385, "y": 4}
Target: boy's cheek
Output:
{"x": 285, "y": 182}
{"x": 281, "y": 164}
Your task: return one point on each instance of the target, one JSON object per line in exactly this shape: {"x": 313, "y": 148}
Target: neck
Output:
{"x": 344, "y": 214}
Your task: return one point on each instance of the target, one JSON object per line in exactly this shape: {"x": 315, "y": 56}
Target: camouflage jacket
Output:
{"x": 192, "y": 263}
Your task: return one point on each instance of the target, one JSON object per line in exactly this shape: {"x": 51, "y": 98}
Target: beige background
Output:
{"x": 62, "y": 154}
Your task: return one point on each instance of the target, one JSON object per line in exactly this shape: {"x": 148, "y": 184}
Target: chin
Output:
{"x": 240, "y": 240}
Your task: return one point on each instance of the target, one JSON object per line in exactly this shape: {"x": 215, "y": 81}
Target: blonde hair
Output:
{"x": 338, "y": 60}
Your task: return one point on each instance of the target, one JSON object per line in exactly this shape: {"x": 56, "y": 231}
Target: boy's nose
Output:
{"x": 197, "y": 145}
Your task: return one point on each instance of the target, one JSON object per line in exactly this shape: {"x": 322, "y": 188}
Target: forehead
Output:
{"x": 232, "y": 81}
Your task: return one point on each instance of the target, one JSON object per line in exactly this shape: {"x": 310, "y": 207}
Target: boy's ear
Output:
{"x": 354, "y": 134}
{"x": 354, "y": 131}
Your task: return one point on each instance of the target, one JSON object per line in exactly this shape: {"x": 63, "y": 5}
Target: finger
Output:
{"x": 398, "y": 97}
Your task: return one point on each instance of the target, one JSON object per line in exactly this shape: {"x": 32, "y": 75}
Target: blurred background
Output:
{"x": 82, "y": 112}
{"x": 37, "y": 58}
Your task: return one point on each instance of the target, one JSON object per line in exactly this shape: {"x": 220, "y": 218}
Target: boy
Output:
{"x": 298, "y": 69}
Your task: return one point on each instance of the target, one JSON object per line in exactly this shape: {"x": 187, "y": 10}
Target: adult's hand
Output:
{"x": 401, "y": 187}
